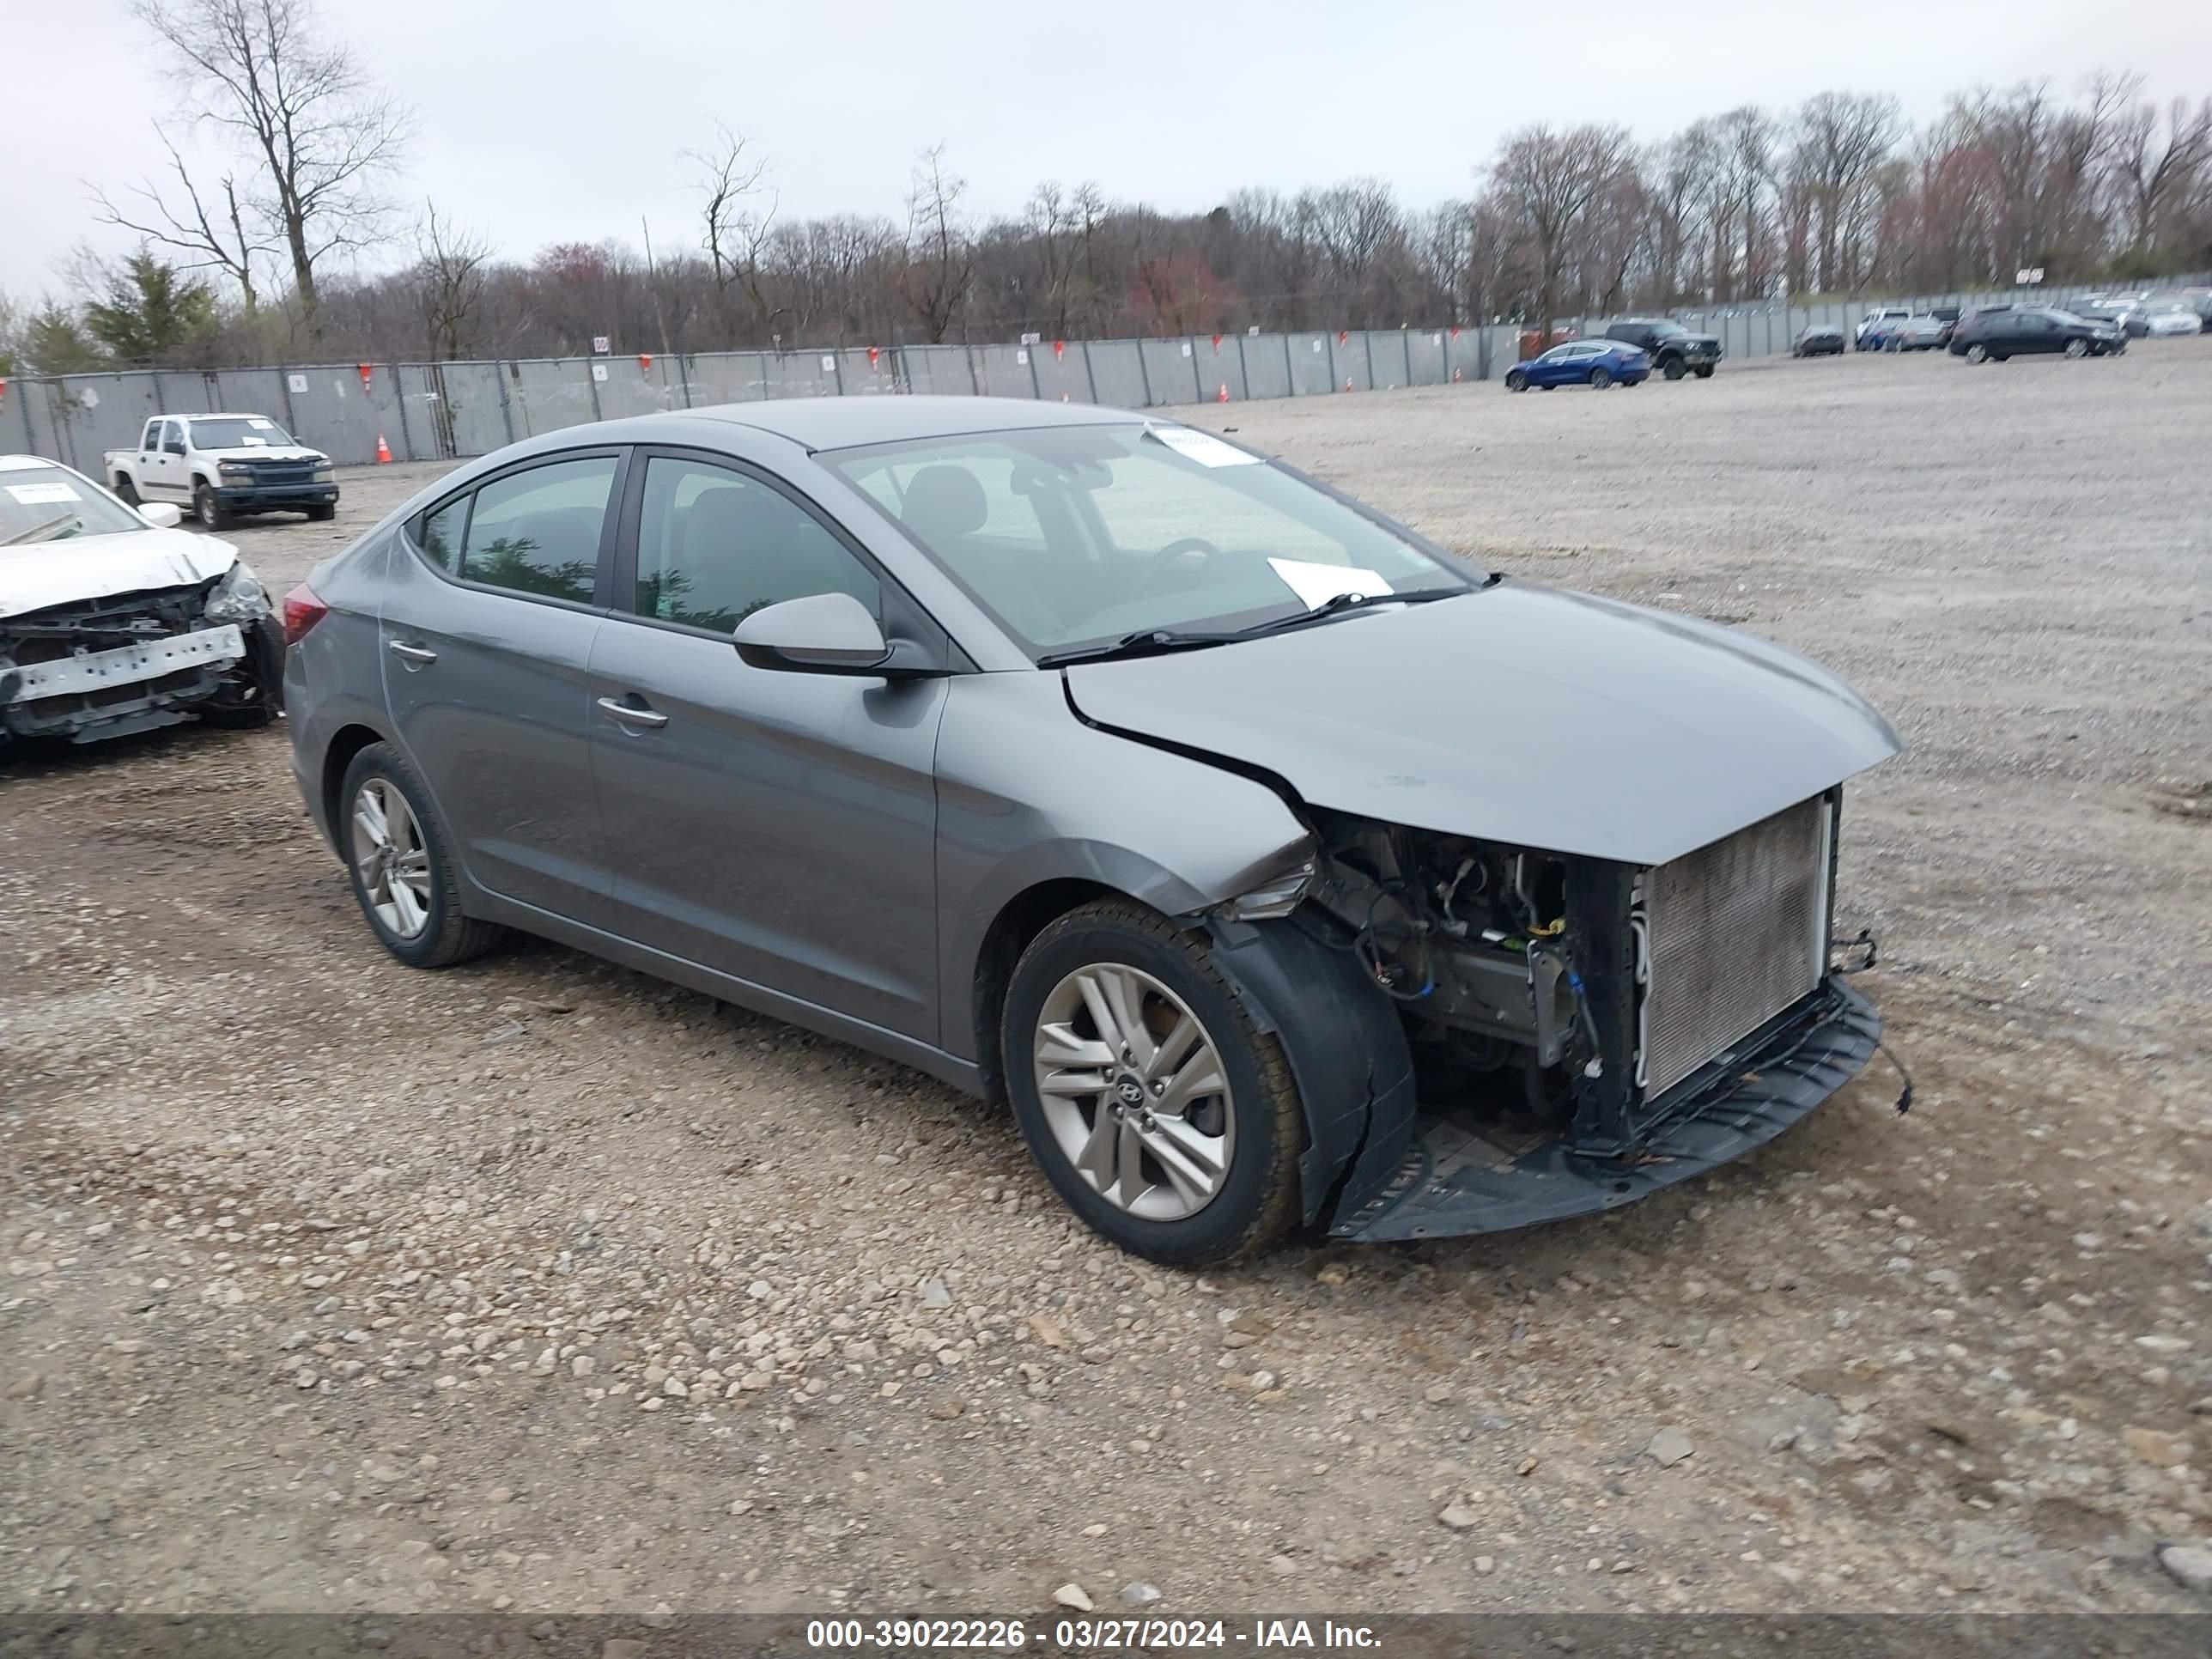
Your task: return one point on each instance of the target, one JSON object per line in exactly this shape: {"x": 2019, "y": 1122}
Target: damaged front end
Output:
{"x": 1571, "y": 1033}
{"x": 105, "y": 667}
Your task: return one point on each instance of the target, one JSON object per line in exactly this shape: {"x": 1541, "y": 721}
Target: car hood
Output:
{"x": 267, "y": 453}
{"x": 40, "y": 574}
{"x": 1532, "y": 716}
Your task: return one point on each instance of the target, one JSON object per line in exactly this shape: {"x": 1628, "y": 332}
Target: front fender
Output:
{"x": 1028, "y": 793}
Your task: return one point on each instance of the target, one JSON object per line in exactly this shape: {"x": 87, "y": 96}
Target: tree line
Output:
{"x": 267, "y": 259}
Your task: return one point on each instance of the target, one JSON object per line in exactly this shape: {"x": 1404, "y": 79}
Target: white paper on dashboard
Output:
{"x": 1200, "y": 447}
{"x": 1317, "y": 584}
{"x": 39, "y": 495}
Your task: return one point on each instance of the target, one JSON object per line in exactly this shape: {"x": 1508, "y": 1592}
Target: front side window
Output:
{"x": 1071, "y": 536}
{"x": 538, "y": 531}
{"x": 715, "y": 545}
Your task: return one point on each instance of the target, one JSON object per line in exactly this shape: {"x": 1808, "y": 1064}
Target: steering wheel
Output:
{"x": 1158, "y": 564}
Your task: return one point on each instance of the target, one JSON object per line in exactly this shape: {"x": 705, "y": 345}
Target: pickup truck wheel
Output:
{"x": 1162, "y": 1114}
{"x": 1705, "y": 372}
{"x": 1672, "y": 369}
{"x": 126, "y": 490}
{"x": 210, "y": 511}
{"x": 324, "y": 513}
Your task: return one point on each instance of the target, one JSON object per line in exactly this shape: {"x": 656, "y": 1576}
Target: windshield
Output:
{"x": 1669, "y": 330}
{"x": 44, "y": 503}
{"x": 1071, "y": 536}
{"x": 237, "y": 432}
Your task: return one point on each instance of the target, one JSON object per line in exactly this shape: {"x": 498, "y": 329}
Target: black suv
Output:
{"x": 1674, "y": 350}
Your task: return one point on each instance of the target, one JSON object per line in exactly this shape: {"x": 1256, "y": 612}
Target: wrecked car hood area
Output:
{"x": 1523, "y": 714}
{"x": 38, "y": 574}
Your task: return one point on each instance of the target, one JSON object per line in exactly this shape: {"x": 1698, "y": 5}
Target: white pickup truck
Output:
{"x": 221, "y": 467}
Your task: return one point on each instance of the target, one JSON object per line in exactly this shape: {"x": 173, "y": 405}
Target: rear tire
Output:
{"x": 1704, "y": 372}
{"x": 1515, "y": 381}
{"x": 1253, "y": 1123}
{"x": 443, "y": 935}
{"x": 126, "y": 490}
{"x": 1600, "y": 379}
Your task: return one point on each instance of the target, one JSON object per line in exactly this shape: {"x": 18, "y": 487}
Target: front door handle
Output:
{"x": 631, "y": 715}
{"x": 413, "y": 653}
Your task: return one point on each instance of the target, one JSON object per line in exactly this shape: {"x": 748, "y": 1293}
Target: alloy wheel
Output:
{"x": 1134, "y": 1091}
{"x": 390, "y": 859}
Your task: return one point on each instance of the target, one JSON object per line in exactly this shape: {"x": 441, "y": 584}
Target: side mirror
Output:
{"x": 162, "y": 515}
{"x": 821, "y": 634}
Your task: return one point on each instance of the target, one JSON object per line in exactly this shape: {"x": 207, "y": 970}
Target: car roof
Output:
{"x": 847, "y": 422}
{"x": 214, "y": 415}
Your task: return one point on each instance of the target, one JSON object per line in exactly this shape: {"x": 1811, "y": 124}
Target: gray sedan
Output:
{"x": 1281, "y": 868}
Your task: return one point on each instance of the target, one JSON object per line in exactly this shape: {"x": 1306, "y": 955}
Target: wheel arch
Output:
{"x": 1018, "y": 921}
{"x": 345, "y": 742}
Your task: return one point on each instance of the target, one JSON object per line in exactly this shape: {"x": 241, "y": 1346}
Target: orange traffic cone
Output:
{"x": 1224, "y": 397}
{"x": 383, "y": 450}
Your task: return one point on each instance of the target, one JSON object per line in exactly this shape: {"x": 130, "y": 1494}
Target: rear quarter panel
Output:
{"x": 333, "y": 678}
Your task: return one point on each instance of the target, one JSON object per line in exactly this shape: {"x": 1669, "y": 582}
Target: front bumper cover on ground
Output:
{"x": 1464, "y": 1177}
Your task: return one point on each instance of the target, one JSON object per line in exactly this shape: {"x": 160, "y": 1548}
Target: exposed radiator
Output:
{"x": 1738, "y": 931}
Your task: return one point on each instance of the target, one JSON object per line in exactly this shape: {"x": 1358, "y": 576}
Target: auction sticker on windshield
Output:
{"x": 1200, "y": 447}
{"x": 33, "y": 494}
{"x": 1317, "y": 584}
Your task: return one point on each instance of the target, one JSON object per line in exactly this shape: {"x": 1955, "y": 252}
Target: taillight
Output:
{"x": 303, "y": 610}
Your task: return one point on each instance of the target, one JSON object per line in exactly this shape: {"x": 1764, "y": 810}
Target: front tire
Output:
{"x": 1672, "y": 369}
{"x": 1161, "y": 1114}
{"x": 208, "y": 509}
{"x": 1977, "y": 353}
{"x": 2077, "y": 347}
{"x": 1704, "y": 372}
{"x": 1515, "y": 381}
{"x": 404, "y": 876}
{"x": 324, "y": 513}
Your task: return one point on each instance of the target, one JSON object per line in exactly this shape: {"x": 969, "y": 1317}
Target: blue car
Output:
{"x": 1598, "y": 363}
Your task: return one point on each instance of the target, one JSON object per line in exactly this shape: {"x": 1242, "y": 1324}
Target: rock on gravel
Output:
{"x": 2189, "y": 1565}
{"x": 1073, "y": 1595}
{"x": 1669, "y": 1447}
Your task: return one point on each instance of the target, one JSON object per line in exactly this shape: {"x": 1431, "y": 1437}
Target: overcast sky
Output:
{"x": 555, "y": 120}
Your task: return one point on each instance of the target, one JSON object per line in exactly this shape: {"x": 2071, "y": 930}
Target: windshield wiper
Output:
{"x": 37, "y": 532}
{"x": 1135, "y": 645}
{"x": 1337, "y": 603}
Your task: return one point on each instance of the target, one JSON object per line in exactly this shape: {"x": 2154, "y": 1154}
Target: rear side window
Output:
{"x": 441, "y": 535}
{"x": 536, "y": 531}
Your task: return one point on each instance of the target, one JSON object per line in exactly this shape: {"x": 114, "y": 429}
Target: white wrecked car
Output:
{"x": 112, "y": 620}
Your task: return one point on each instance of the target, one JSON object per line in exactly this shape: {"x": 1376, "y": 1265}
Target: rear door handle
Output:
{"x": 413, "y": 653}
{"x": 631, "y": 715}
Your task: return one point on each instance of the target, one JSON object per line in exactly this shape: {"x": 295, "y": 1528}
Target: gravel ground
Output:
{"x": 539, "y": 1285}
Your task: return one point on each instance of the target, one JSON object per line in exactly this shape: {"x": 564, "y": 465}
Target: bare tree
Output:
{"x": 940, "y": 252}
{"x": 321, "y": 136}
{"x": 1552, "y": 179}
{"x": 1840, "y": 139}
{"x": 735, "y": 215}
{"x": 450, "y": 268}
{"x": 210, "y": 239}
{"x": 2158, "y": 166}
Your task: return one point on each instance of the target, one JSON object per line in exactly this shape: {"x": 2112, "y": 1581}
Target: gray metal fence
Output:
{"x": 436, "y": 411}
